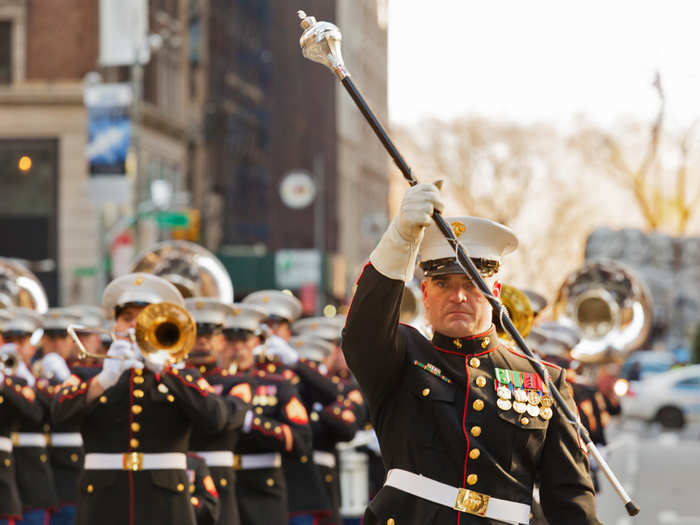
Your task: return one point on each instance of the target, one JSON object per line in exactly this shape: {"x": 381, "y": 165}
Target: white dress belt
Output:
{"x": 217, "y": 458}
{"x": 5, "y": 444}
{"x": 464, "y": 500}
{"x": 326, "y": 459}
{"x": 136, "y": 461}
{"x": 254, "y": 461}
{"x": 66, "y": 439}
{"x": 29, "y": 439}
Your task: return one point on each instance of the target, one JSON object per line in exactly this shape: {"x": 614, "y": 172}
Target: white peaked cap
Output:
{"x": 276, "y": 303}
{"x": 481, "y": 239}
{"x": 208, "y": 310}
{"x": 138, "y": 288}
{"x": 311, "y": 348}
{"x": 245, "y": 317}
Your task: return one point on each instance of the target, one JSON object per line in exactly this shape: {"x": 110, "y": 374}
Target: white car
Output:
{"x": 671, "y": 398}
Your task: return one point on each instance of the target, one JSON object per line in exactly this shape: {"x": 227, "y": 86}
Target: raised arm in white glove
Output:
{"x": 395, "y": 255}
{"x": 120, "y": 358}
{"x": 275, "y": 346}
{"x": 54, "y": 366}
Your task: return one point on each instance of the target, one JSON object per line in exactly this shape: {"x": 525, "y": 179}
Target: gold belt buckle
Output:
{"x": 472, "y": 502}
{"x": 14, "y": 437}
{"x": 237, "y": 461}
{"x": 133, "y": 461}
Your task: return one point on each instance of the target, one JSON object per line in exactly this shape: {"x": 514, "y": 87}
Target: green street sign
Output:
{"x": 172, "y": 219}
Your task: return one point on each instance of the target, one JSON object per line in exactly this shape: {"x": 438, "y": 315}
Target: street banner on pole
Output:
{"x": 123, "y": 32}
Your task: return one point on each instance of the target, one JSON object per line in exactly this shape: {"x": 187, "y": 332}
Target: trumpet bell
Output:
{"x": 167, "y": 327}
{"x": 20, "y": 287}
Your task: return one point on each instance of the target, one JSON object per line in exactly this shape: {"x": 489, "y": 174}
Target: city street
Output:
{"x": 660, "y": 471}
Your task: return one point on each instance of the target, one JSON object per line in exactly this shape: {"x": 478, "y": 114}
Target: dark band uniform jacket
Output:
{"x": 434, "y": 407}
{"x": 279, "y": 428}
{"x": 142, "y": 413}
{"x": 17, "y": 401}
{"x": 223, "y": 441}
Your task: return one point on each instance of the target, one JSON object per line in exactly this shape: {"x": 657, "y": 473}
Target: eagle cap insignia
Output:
{"x": 138, "y": 281}
{"x": 458, "y": 228}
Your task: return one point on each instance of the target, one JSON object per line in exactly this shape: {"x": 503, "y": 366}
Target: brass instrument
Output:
{"x": 519, "y": 310}
{"x": 159, "y": 327}
{"x": 20, "y": 287}
{"x": 192, "y": 269}
{"x": 611, "y": 307}
{"x": 9, "y": 361}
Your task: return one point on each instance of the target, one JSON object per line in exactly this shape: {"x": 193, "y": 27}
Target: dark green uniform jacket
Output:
{"x": 434, "y": 404}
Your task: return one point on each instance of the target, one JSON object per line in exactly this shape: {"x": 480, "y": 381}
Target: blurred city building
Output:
{"x": 222, "y": 108}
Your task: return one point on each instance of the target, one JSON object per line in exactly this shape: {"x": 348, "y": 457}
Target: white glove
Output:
{"x": 53, "y": 366}
{"x": 156, "y": 361}
{"x": 247, "y": 422}
{"x": 395, "y": 255}
{"x": 122, "y": 358}
{"x": 275, "y": 346}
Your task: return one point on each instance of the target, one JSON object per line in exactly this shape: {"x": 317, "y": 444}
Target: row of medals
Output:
{"x": 531, "y": 401}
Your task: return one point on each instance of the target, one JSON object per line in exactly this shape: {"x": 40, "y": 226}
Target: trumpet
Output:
{"x": 159, "y": 327}
{"x": 9, "y": 361}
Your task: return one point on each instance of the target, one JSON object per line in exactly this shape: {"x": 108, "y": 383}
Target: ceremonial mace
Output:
{"x": 320, "y": 43}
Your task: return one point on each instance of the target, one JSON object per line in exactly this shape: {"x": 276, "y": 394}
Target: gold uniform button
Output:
{"x": 138, "y": 371}
{"x": 478, "y": 405}
{"x": 524, "y": 421}
{"x": 192, "y": 489}
{"x": 328, "y": 478}
{"x": 202, "y": 369}
{"x": 223, "y": 482}
{"x": 47, "y": 428}
{"x": 314, "y": 416}
{"x": 90, "y": 489}
{"x": 267, "y": 425}
{"x": 425, "y": 392}
{"x": 180, "y": 487}
{"x": 256, "y": 421}
{"x": 474, "y": 453}
{"x": 481, "y": 381}
{"x": 390, "y": 521}
{"x": 472, "y": 479}
{"x": 476, "y": 431}
{"x": 135, "y": 427}
{"x": 270, "y": 482}
{"x": 304, "y": 459}
{"x": 134, "y": 443}
{"x": 138, "y": 393}
{"x": 474, "y": 362}
{"x": 170, "y": 398}
{"x": 258, "y": 410}
{"x": 138, "y": 380}
{"x": 195, "y": 501}
{"x": 2, "y": 400}
{"x": 278, "y": 430}
{"x": 74, "y": 458}
{"x": 8, "y": 462}
{"x": 103, "y": 399}
{"x": 137, "y": 409}
{"x": 188, "y": 378}
{"x": 43, "y": 458}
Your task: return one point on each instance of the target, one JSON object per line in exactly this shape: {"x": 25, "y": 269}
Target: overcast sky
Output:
{"x": 543, "y": 61}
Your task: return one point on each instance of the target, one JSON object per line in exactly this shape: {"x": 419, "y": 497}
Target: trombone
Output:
{"x": 159, "y": 327}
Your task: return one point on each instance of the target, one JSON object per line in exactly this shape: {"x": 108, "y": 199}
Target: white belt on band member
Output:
{"x": 464, "y": 500}
{"x": 136, "y": 461}
{"x": 5, "y": 444}
{"x": 325, "y": 459}
{"x": 253, "y": 461}
{"x": 29, "y": 439}
{"x": 217, "y": 458}
{"x": 66, "y": 439}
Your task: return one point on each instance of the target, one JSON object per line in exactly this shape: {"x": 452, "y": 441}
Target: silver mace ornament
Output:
{"x": 320, "y": 43}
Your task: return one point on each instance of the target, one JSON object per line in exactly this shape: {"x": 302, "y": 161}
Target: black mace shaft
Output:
{"x": 473, "y": 273}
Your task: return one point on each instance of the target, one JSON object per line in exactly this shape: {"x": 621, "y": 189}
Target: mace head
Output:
{"x": 320, "y": 43}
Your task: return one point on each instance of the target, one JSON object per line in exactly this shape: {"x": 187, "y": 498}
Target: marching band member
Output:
{"x": 279, "y": 429}
{"x": 136, "y": 416}
{"x": 464, "y": 422}
{"x": 216, "y": 449}
{"x": 33, "y": 470}
{"x": 65, "y": 441}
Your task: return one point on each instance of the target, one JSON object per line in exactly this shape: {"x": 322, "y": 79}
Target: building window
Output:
{"x": 5, "y": 52}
